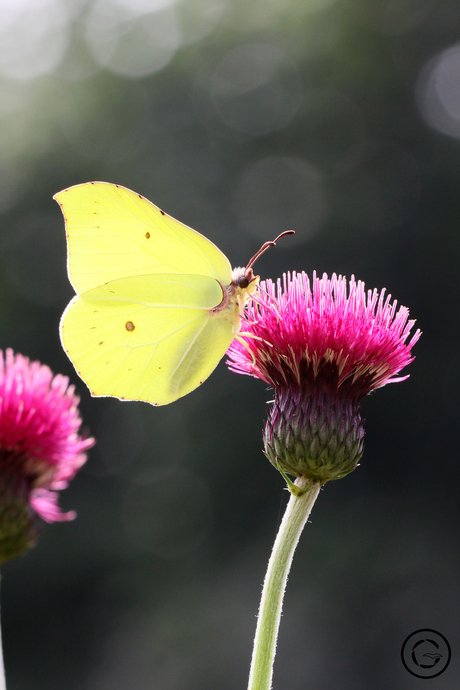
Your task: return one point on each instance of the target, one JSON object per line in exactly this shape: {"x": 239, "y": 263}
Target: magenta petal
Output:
{"x": 296, "y": 332}
{"x": 45, "y": 505}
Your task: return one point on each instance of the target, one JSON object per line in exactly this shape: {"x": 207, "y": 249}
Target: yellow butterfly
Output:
{"x": 157, "y": 304}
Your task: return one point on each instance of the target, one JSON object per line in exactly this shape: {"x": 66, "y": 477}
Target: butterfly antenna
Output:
{"x": 266, "y": 246}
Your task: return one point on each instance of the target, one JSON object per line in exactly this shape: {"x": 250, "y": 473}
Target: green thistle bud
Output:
{"x": 18, "y": 523}
{"x": 313, "y": 434}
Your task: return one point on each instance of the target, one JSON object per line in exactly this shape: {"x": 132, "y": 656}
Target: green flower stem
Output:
{"x": 2, "y": 668}
{"x": 295, "y": 517}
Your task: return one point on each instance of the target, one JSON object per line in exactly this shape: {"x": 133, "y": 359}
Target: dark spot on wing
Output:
{"x": 101, "y": 343}
{"x": 129, "y": 326}
{"x": 147, "y": 235}
{"x": 162, "y": 212}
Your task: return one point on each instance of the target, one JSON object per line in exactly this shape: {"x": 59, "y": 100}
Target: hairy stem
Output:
{"x": 295, "y": 517}
{"x": 2, "y": 668}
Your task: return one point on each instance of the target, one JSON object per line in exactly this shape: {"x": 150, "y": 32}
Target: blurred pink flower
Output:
{"x": 41, "y": 448}
{"x": 322, "y": 347}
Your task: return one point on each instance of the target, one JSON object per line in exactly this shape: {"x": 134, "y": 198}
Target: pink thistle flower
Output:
{"x": 322, "y": 347}
{"x": 40, "y": 449}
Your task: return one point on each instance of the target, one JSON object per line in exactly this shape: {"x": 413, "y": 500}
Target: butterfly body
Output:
{"x": 157, "y": 303}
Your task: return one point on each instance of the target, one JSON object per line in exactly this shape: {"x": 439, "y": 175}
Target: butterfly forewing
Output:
{"x": 114, "y": 233}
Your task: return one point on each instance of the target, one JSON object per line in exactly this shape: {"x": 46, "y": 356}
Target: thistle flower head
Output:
{"x": 41, "y": 449}
{"x": 322, "y": 347}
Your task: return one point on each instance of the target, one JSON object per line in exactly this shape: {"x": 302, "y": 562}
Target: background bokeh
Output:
{"x": 242, "y": 118}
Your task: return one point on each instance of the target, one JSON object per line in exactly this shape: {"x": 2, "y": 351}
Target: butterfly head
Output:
{"x": 244, "y": 279}
{"x": 244, "y": 282}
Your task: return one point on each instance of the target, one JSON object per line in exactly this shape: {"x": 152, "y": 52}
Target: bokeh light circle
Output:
{"x": 438, "y": 92}
{"x": 128, "y": 44}
{"x": 256, "y": 89}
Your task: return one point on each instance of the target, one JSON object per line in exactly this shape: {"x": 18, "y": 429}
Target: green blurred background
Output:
{"x": 242, "y": 118}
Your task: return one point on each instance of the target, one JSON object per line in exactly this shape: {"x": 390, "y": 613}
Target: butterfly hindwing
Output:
{"x": 151, "y": 337}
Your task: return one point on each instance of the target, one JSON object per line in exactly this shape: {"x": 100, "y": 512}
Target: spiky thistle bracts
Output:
{"x": 322, "y": 346}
